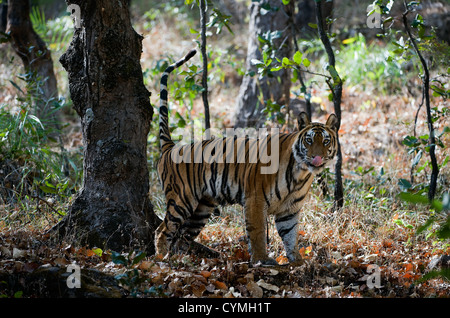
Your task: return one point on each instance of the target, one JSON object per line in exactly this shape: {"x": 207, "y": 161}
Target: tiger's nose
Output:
{"x": 317, "y": 161}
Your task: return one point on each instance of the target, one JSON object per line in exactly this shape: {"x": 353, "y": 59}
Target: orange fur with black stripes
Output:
{"x": 193, "y": 189}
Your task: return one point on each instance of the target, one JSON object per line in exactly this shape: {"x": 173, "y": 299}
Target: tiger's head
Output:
{"x": 317, "y": 143}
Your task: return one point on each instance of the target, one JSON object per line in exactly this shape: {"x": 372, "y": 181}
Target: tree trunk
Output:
{"x": 3, "y": 16}
{"x": 255, "y": 92}
{"x": 35, "y": 56}
{"x": 113, "y": 209}
{"x": 336, "y": 89}
{"x": 426, "y": 92}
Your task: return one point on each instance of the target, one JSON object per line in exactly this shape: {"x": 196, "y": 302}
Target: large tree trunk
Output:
{"x": 254, "y": 91}
{"x": 35, "y": 56}
{"x": 113, "y": 209}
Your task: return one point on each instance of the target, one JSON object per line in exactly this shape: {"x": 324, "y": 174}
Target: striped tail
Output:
{"x": 164, "y": 131}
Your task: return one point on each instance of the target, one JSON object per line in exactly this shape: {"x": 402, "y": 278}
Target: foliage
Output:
{"x": 31, "y": 143}
{"x": 55, "y": 33}
{"x": 440, "y": 214}
{"x": 131, "y": 277}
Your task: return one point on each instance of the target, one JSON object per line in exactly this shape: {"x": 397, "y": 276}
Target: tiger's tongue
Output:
{"x": 317, "y": 161}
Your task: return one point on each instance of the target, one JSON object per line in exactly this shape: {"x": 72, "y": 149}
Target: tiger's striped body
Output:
{"x": 194, "y": 189}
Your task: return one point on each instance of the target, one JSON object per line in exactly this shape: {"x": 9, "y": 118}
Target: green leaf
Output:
{"x": 286, "y": 2}
{"x": 417, "y": 21}
{"x": 257, "y": 62}
{"x": 387, "y": 20}
{"x": 47, "y": 189}
{"x": 438, "y": 90}
{"x": 36, "y": 120}
{"x": 298, "y": 57}
{"x": 405, "y": 184}
{"x": 294, "y": 76}
{"x": 410, "y": 141}
{"x": 17, "y": 87}
{"x": 425, "y": 226}
{"x": 306, "y": 62}
{"x": 181, "y": 122}
{"x": 312, "y": 25}
{"x": 286, "y": 61}
{"x": 118, "y": 258}
{"x": 138, "y": 258}
{"x": 349, "y": 40}
{"x": 277, "y": 68}
{"x": 435, "y": 274}
{"x": 420, "y": 199}
{"x": 18, "y": 294}
{"x": 98, "y": 251}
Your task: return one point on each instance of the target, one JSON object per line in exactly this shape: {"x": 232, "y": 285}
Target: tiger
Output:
{"x": 193, "y": 190}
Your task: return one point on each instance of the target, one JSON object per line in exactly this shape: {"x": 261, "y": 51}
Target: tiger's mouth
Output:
{"x": 317, "y": 161}
{"x": 316, "y": 164}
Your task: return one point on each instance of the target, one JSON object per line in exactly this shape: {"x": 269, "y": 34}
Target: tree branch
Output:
{"x": 203, "y": 9}
{"x": 426, "y": 91}
{"x": 336, "y": 89}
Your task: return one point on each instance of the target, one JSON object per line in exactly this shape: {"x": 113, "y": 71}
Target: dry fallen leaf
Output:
{"x": 267, "y": 286}
{"x": 220, "y": 285}
{"x": 254, "y": 289}
{"x": 18, "y": 253}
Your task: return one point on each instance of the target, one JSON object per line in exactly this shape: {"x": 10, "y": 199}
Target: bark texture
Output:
{"x": 113, "y": 209}
{"x": 254, "y": 91}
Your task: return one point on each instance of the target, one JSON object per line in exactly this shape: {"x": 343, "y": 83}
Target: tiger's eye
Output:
{"x": 326, "y": 142}
{"x": 309, "y": 140}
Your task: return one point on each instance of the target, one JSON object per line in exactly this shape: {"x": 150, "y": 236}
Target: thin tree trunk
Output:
{"x": 113, "y": 208}
{"x": 203, "y": 10}
{"x": 34, "y": 54}
{"x": 426, "y": 92}
{"x": 336, "y": 88}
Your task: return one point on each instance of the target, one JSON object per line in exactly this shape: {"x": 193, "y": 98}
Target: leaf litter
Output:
{"x": 29, "y": 259}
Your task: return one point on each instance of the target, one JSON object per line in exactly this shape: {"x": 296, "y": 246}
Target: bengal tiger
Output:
{"x": 194, "y": 189}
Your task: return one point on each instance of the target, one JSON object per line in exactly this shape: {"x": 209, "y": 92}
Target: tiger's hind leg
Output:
{"x": 287, "y": 227}
{"x": 192, "y": 228}
{"x": 168, "y": 231}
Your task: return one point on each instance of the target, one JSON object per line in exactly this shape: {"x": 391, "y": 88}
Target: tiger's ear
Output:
{"x": 332, "y": 122}
{"x": 302, "y": 121}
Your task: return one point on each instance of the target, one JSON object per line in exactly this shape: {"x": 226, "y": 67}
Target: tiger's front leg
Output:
{"x": 287, "y": 227}
{"x": 255, "y": 222}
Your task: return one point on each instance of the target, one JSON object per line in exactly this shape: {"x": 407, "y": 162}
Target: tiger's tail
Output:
{"x": 164, "y": 131}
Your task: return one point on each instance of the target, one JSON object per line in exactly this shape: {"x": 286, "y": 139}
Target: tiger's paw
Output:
{"x": 203, "y": 250}
{"x": 295, "y": 259}
{"x": 162, "y": 244}
{"x": 265, "y": 262}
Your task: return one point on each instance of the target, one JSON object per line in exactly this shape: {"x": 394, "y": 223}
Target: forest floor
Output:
{"x": 368, "y": 249}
